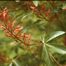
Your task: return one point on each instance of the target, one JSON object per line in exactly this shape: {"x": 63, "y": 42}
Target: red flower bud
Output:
{"x": 1, "y": 26}
{"x": 26, "y": 38}
{"x": 43, "y": 8}
{"x": 18, "y": 29}
{"x": 47, "y": 13}
{"x": 4, "y": 15}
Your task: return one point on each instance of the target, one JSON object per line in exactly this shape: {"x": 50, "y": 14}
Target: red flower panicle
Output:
{"x": 11, "y": 30}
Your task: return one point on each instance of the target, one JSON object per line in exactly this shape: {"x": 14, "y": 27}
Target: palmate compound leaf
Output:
{"x": 57, "y": 49}
{"x": 55, "y": 34}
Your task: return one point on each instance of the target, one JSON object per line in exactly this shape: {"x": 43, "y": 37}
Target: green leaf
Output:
{"x": 12, "y": 54}
{"x": 55, "y": 34}
{"x": 36, "y": 3}
{"x": 56, "y": 49}
{"x": 64, "y": 6}
{"x": 13, "y": 61}
{"x": 17, "y": 0}
{"x": 45, "y": 56}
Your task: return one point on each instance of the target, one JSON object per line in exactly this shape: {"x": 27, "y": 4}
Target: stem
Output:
{"x": 55, "y": 60}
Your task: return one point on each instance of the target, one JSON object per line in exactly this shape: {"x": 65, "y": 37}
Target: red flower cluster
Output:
{"x": 4, "y": 15}
{"x": 35, "y": 10}
{"x": 11, "y": 30}
{"x": 44, "y": 10}
{"x": 41, "y": 10}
